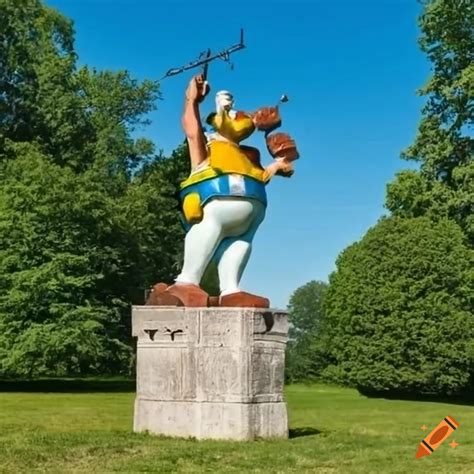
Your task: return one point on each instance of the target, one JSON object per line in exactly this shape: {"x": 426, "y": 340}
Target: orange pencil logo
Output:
{"x": 437, "y": 436}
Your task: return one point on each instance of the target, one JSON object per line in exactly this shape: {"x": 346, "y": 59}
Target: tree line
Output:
{"x": 88, "y": 214}
{"x": 89, "y": 219}
{"x": 397, "y": 314}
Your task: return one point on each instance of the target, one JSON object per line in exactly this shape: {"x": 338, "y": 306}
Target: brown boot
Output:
{"x": 190, "y": 295}
{"x": 159, "y": 296}
{"x": 179, "y": 294}
{"x": 241, "y": 299}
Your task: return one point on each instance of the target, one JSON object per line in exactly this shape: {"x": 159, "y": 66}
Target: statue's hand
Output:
{"x": 266, "y": 119}
{"x": 279, "y": 167}
{"x": 285, "y": 168}
{"x": 197, "y": 89}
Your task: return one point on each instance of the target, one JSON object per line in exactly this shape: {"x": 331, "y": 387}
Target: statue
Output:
{"x": 224, "y": 198}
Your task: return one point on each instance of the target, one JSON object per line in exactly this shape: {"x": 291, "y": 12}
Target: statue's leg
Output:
{"x": 234, "y": 252}
{"x": 200, "y": 244}
{"x": 222, "y": 218}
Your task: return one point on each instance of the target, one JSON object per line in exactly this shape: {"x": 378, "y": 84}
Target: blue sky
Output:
{"x": 350, "y": 69}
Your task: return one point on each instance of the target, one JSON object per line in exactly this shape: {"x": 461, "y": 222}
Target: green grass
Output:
{"x": 334, "y": 430}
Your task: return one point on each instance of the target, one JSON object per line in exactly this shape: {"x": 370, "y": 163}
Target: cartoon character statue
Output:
{"x": 224, "y": 198}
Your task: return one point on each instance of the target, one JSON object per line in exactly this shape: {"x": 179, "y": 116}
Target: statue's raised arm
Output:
{"x": 197, "y": 89}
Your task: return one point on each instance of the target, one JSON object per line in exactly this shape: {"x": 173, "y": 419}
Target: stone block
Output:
{"x": 210, "y": 372}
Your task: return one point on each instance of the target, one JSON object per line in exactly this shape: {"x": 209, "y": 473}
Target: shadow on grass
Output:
{"x": 299, "y": 432}
{"x": 466, "y": 398}
{"x": 68, "y": 385}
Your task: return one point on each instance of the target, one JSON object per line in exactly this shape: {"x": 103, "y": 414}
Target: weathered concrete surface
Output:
{"x": 210, "y": 372}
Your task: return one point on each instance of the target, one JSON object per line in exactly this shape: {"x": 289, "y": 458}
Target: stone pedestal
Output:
{"x": 210, "y": 372}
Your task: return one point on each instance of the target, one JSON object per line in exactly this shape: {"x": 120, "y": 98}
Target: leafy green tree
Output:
{"x": 399, "y": 309}
{"x": 151, "y": 213}
{"x": 305, "y": 354}
{"x": 72, "y": 259}
{"x": 61, "y": 244}
{"x": 38, "y": 101}
{"x": 76, "y": 118}
{"x": 88, "y": 215}
{"x": 443, "y": 186}
{"x": 306, "y": 309}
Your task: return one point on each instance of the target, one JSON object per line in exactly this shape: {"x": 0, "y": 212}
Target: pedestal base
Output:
{"x": 212, "y": 420}
{"x": 210, "y": 372}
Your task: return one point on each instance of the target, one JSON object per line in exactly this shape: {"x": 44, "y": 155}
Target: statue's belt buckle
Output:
{"x": 236, "y": 184}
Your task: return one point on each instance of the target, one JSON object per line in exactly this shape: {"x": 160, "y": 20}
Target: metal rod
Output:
{"x": 206, "y": 65}
{"x": 224, "y": 55}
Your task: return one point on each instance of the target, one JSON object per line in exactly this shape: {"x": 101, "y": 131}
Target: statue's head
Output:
{"x": 233, "y": 125}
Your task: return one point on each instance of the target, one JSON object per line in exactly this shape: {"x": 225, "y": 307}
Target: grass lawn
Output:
{"x": 333, "y": 430}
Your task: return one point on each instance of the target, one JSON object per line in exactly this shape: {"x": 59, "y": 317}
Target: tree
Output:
{"x": 443, "y": 186}
{"x": 76, "y": 118}
{"x": 72, "y": 259}
{"x": 306, "y": 309}
{"x": 399, "y": 309}
{"x": 60, "y": 243}
{"x": 37, "y": 96}
{"x": 305, "y": 358}
{"x": 88, "y": 215}
{"x": 151, "y": 213}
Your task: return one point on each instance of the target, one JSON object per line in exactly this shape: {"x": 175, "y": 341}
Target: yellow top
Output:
{"x": 226, "y": 158}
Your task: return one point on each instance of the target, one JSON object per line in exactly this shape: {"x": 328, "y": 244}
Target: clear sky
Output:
{"x": 350, "y": 69}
